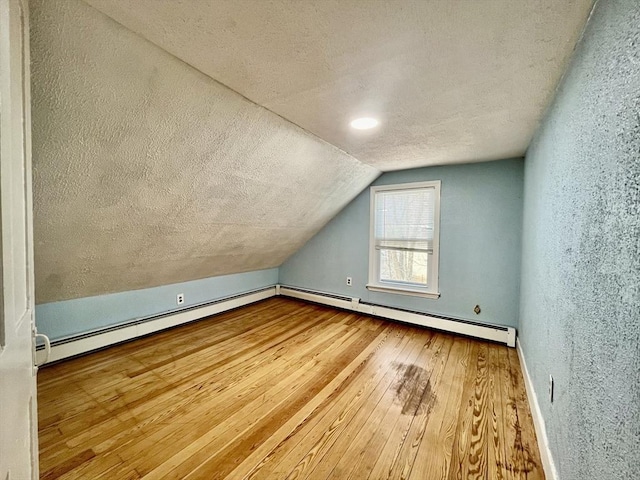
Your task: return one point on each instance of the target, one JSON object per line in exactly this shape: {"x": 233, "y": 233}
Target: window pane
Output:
{"x": 404, "y": 266}
{"x": 404, "y": 242}
{"x": 405, "y": 217}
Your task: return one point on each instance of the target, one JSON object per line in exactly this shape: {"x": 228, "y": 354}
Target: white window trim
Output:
{"x": 374, "y": 284}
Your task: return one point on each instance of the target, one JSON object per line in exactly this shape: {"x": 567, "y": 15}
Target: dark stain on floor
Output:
{"x": 413, "y": 389}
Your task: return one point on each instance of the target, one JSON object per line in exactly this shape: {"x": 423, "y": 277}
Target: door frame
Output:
{"x": 18, "y": 411}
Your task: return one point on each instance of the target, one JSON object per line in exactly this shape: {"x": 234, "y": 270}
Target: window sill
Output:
{"x": 402, "y": 291}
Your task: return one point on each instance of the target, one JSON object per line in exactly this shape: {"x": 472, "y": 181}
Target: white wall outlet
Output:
{"x": 180, "y": 298}
{"x": 550, "y": 388}
{"x": 349, "y": 281}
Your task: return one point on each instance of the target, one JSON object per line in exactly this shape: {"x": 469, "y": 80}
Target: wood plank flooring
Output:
{"x": 284, "y": 389}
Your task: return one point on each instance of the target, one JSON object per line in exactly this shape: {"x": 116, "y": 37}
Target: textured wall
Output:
{"x": 69, "y": 318}
{"x": 580, "y": 295}
{"x": 147, "y": 172}
{"x": 480, "y": 226}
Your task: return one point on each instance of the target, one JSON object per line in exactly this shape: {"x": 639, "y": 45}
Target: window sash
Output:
{"x": 405, "y": 215}
{"x": 404, "y": 249}
{"x": 406, "y": 277}
{"x": 405, "y": 218}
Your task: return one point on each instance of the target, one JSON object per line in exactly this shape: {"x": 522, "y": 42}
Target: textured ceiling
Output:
{"x": 451, "y": 80}
{"x": 147, "y": 172}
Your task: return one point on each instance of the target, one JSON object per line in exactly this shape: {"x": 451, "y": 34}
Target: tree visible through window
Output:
{"x": 404, "y": 240}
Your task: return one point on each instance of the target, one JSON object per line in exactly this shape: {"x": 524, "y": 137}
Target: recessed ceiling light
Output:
{"x": 364, "y": 123}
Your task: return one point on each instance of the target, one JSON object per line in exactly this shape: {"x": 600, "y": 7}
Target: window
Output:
{"x": 403, "y": 248}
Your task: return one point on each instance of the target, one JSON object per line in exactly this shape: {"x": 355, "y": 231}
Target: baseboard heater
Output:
{"x": 86, "y": 342}
{"x": 79, "y": 344}
{"x": 496, "y": 333}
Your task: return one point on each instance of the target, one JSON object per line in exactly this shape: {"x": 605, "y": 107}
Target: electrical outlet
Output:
{"x": 550, "y": 388}
{"x": 349, "y": 281}
{"x": 180, "y": 298}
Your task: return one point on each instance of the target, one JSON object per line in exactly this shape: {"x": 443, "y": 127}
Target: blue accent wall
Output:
{"x": 580, "y": 295}
{"x": 72, "y": 317}
{"x": 480, "y": 239}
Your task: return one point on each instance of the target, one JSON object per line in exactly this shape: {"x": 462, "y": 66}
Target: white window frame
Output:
{"x": 375, "y": 284}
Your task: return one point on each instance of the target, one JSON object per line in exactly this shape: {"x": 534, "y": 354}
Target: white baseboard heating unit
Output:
{"x": 496, "y": 333}
{"x": 138, "y": 327}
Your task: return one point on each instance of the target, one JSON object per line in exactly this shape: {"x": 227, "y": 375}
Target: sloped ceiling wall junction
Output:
{"x": 148, "y": 172}
{"x": 451, "y": 80}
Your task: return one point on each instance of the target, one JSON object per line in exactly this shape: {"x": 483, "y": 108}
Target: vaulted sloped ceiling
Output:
{"x": 450, "y": 80}
{"x": 147, "y": 171}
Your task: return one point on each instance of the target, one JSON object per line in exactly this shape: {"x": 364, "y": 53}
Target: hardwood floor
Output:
{"x": 284, "y": 389}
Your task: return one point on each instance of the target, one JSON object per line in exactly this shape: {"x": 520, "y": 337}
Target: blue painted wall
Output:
{"x": 71, "y": 317}
{"x": 480, "y": 233}
{"x": 580, "y": 298}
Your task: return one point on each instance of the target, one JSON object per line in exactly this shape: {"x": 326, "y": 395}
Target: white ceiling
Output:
{"x": 147, "y": 172}
{"x": 450, "y": 80}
